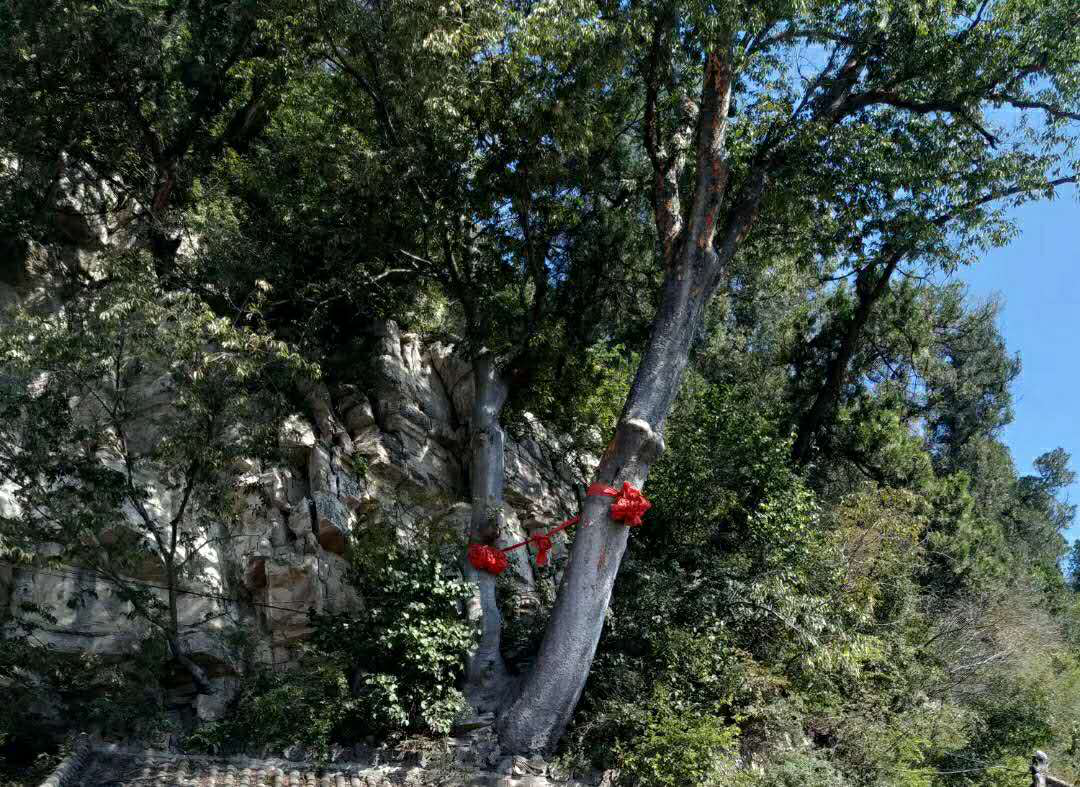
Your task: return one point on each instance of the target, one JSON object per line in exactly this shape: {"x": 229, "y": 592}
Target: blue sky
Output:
{"x": 1038, "y": 277}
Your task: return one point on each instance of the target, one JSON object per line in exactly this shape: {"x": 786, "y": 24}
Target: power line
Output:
{"x": 75, "y": 575}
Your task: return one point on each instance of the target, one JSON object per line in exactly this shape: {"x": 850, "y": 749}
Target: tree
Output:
{"x": 474, "y": 115}
{"x": 1073, "y": 569}
{"x": 923, "y": 353}
{"x": 125, "y": 415}
{"x": 491, "y": 157}
{"x": 912, "y": 79}
{"x": 1039, "y": 517}
{"x": 111, "y": 111}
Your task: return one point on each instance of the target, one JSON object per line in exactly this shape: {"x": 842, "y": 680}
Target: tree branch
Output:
{"x": 1053, "y": 112}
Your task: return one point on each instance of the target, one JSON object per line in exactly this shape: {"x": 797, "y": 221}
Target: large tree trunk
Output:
{"x": 538, "y": 717}
{"x": 488, "y": 682}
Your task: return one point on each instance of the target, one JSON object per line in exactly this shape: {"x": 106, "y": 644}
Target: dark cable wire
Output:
{"x": 78, "y": 575}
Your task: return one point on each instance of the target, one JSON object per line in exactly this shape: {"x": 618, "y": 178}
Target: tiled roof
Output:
{"x": 99, "y": 765}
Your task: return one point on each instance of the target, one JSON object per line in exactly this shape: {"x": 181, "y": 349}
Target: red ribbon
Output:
{"x": 487, "y": 558}
{"x": 543, "y": 541}
{"x": 629, "y": 506}
{"x": 543, "y": 544}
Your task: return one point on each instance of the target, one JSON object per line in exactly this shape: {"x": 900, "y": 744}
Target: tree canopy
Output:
{"x": 714, "y": 245}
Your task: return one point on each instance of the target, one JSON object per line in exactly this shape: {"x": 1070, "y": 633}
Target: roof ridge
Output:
{"x": 224, "y": 767}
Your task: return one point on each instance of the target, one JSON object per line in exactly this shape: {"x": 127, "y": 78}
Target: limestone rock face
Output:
{"x": 386, "y": 450}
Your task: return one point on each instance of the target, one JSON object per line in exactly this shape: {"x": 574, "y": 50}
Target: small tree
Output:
{"x": 119, "y": 430}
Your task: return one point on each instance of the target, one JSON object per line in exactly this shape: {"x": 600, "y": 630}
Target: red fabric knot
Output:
{"x": 543, "y": 549}
{"x": 602, "y": 489}
{"x": 489, "y": 559}
{"x": 629, "y": 506}
{"x": 543, "y": 541}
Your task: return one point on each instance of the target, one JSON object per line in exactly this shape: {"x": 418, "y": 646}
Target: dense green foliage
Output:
{"x": 846, "y": 623}
{"x": 845, "y": 580}
{"x": 117, "y": 698}
{"x": 408, "y": 646}
{"x": 390, "y": 670}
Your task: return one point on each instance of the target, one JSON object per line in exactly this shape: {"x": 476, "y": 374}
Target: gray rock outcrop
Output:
{"x": 388, "y": 452}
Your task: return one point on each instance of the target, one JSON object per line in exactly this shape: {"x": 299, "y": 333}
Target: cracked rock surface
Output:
{"x": 386, "y": 450}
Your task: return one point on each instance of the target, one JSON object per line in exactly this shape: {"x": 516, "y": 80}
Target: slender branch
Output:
{"x": 1052, "y": 111}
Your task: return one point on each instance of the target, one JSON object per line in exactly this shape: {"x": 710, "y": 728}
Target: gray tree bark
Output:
{"x": 538, "y": 718}
{"x": 540, "y": 714}
{"x": 488, "y": 681}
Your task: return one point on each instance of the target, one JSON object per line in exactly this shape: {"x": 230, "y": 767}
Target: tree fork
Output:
{"x": 837, "y": 370}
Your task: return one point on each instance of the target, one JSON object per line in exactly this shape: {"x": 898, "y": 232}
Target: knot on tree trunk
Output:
{"x": 644, "y": 445}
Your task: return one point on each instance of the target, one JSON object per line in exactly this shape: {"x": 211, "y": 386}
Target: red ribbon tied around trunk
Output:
{"x": 543, "y": 549}
{"x": 487, "y": 558}
{"x": 543, "y": 541}
{"x": 629, "y": 506}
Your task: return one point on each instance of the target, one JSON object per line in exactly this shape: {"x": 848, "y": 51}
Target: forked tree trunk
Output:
{"x": 488, "y": 681}
{"x": 539, "y": 716}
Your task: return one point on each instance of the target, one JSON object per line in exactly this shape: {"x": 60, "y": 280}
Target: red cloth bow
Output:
{"x": 489, "y": 559}
{"x": 629, "y": 506}
{"x": 543, "y": 541}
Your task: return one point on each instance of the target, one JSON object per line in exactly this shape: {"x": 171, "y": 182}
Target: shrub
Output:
{"x": 407, "y": 649}
{"x": 795, "y": 770}
{"x": 45, "y": 692}
{"x": 678, "y": 749}
{"x": 310, "y": 705}
{"x": 389, "y": 669}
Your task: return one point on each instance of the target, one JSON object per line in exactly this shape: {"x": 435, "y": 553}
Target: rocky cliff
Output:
{"x": 385, "y": 451}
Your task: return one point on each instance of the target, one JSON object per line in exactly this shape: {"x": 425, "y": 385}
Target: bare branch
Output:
{"x": 1053, "y": 112}
{"x": 712, "y": 162}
